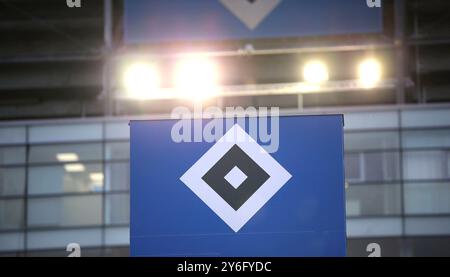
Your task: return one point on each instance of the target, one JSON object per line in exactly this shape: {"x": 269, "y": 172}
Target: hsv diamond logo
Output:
{"x": 251, "y": 12}
{"x": 236, "y": 177}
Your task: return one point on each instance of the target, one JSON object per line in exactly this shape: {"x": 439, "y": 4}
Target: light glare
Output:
{"x": 369, "y": 72}
{"x": 74, "y": 167}
{"x": 141, "y": 80}
{"x": 97, "y": 181}
{"x": 196, "y": 78}
{"x": 96, "y": 177}
{"x": 315, "y": 72}
{"x": 67, "y": 157}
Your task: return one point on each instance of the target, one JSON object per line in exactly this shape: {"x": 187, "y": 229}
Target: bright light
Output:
{"x": 96, "y": 177}
{"x": 315, "y": 72}
{"x": 369, "y": 73}
{"x": 67, "y": 157}
{"x": 97, "y": 181}
{"x": 74, "y": 167}
{"x": 141, "y": 80}
{"x": 196, "y": 78}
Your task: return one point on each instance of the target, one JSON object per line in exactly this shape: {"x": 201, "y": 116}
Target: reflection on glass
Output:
{"x": 65, "y": 153}
{"x": 376, "y": 199}
{"x": 11, "y": 214}
{"x": 97, "y": 180}
{"x": 427, "y": 225}
{"x": 65, "y": 211}
{"x": 58, "y": 179}
{"x": 12, "y": 135}
{"x": 58, "y": 239}
{"x": 371, "y": 141}
{"x": 117, "y": 209}
{"x": 117, "y": 151}
{"x": 12, "y": 181}
{"x": 74, "y": 167}
{"x": 67, "y": 157}
{"x": 427, "y": 198}
{"x": 372, "y": 166}
{"x": 12, "y": 155}
{"x": 117, "y": 130}
{"x": 429, "y": 138}
{"x": 117, "y": 176}
{"x": 353, "y": 167}
{"x": 425, "y": 165}
{"x": 66, "y": 132}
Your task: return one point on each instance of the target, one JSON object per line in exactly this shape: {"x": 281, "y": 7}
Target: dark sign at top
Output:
{"x": 154, "y": 21}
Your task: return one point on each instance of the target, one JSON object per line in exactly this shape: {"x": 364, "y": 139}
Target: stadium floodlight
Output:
{"x": 369, "y": 72}
{"x": 315, "y": 72}
{"x": 141, "y": 80}
{"x": 196, "y": 78}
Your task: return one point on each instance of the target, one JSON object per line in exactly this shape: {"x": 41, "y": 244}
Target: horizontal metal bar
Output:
{"x": 23, "y": 59}
{"x": 273, "y": 89}
{"x": 248, "y": 50}
{"x": 422, "y": 41}
{"x": 62, "y": 228}
{"x": 283, "y": 112}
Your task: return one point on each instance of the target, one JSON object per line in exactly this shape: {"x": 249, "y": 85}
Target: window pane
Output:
{"x": 65, "y": 211}
{"x": 61, "y": 238}
{"x": 117, "y": 130}
{"x": 353, "y": 167}
{"x": 11, "y": 241}
{"x": 372, "y": 166}
{"x": 117, "y": 150}
{"x": 374, "y": 227}
{"x": 425, "y": 118}
{"x": 369, "y": 200}
{"x": 371, "y": 141}
{"x": 71, "y": 132}
{"x": 12, "y": 155}
{"x": 427, "y": 226}
{"x": 11, "y": 214}
{"x": 381, "y": 166}
{"x": 117, "y": 176}
{"x": 371, "y": 120}
{"x": 423, "y": 138}
{"x": 117, "y": 209}
{"x": 65, "y": 178}
{"x": 425, "y": 165}
{"x": 12, "y": 135}
{"x": 66, "y": 153}
{"x": 12, "y": 181}
{"x": 427, "y": 198}
{"x": 117, "y": 236}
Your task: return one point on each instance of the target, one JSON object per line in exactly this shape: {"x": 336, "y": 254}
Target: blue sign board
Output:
{"x": 153, "y": 21}
{"x": 231, "y": 197}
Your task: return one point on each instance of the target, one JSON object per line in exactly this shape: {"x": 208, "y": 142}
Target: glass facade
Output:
{"x": 397, "y": 172}
{"x": 69, "y": 182}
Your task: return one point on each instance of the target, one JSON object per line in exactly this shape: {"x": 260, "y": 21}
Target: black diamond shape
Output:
{"x": 215, "y": 177}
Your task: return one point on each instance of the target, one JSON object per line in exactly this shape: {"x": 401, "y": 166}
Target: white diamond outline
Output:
{"x": 233, "y": 170}
{"x": 236, "y": 219}
{"x": 250, "y": 14}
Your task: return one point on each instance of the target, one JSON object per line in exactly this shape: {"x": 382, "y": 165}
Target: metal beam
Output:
{"x": 27, "y": 59}
{"x": 400, "y": 19}
{"x": 108, "y": 48}
{"x": 258, "y": 52}
{"x": 275, "y": 89}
